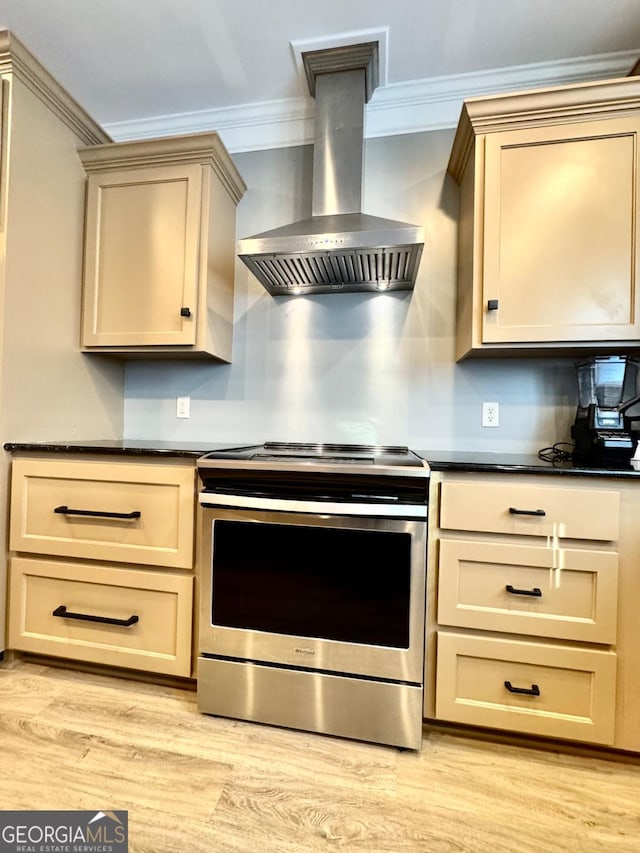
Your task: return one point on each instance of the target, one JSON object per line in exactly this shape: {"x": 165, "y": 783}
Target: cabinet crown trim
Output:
{"x": 603, "y": 99}
{"x": 206, "y": 149}
{"x": 17, "y": 60}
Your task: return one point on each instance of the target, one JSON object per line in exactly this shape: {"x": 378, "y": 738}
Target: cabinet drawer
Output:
{"x": 159, "y": 640}
{"x": 576, "y": 687}
{"x": 563, "y": 593}
{"x": 134, "y": 513}
{"x": 530, "y": 510}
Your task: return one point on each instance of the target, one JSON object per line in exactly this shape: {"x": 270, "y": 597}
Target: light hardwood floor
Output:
{"x": 71, "y": 740}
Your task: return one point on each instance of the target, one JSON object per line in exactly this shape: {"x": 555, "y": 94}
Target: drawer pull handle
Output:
{"x": 535, "y": 592}
{"x": 64, "y": 510}
{"x": 514, "y": 511}
{"x": 88, "y": 617}
{"x": 534, "y": 690}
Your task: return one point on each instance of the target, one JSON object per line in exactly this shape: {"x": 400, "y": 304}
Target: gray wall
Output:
{"x": 355, "y": 367}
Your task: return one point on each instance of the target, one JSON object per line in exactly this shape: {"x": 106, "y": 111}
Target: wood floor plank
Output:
{"x": 592, "y": 804}
{"x": 24, "y": 691}
{"x": 172, "y": 783}
{"x": 137, "y": 717}
{"x": 45, "y": 767}
{"x": 192, "y": 782}
{"x": 31, "y": 750}
{"x": 326, "y": 760}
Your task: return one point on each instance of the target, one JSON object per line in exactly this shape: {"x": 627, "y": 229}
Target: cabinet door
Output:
{"x": 141, "y": 256}
{"x": 561, "y": 233}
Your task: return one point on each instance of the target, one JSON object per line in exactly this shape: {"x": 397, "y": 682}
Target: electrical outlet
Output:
{"x": 183, "y": 407}
{"x": 491, "y": 414}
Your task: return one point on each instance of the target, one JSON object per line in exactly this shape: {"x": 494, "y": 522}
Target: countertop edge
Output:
{"x": 481, "y": 462}
{"x": 115, "y": 449}
{"x": 544, "y": 469}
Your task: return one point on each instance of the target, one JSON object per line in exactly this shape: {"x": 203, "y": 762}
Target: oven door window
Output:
{"x": 345, "y": 584}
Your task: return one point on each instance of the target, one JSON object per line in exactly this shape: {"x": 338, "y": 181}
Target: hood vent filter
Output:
{"x": 326, "y": 272}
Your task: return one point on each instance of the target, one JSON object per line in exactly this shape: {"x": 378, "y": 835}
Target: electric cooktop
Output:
{"x": 341, "y": 454}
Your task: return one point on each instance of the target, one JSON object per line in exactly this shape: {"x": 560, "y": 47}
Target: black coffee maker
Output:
{"x": 607, "y": 388}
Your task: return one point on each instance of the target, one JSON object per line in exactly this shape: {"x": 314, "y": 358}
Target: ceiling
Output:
{"x": 152, "y": 67}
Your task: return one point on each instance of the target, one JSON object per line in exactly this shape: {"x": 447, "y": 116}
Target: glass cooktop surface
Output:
{"x": 350, "y": 454}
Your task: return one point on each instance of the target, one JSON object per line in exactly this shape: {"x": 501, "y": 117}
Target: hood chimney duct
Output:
{"x": 340, "y": 249}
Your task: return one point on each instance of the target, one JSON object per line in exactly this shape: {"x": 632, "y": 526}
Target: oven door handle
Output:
{"x": 216, "y": 500}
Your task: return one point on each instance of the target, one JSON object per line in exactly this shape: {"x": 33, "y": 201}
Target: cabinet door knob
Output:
{"x": 185, "y": 312}
{"x": 492, "y": 305}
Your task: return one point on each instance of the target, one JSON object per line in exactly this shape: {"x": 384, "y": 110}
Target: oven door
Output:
{"x": 330, "y": 593}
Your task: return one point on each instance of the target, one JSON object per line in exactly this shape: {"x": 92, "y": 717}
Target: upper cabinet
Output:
{"x": 549, "y": 221}
{"x": 160, "y": 247}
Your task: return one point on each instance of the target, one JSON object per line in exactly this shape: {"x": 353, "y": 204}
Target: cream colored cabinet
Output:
{"x": 48, "y": 387}
{"x": 117, "y": 616}
{"x": 527, "y": 589}
{"x": 96, "y": 551}
{"x": 533, "y": 593}
{"x": 549, "y": 220}
{"x": 551, "y": 691}
{"x": 160, "y": 247}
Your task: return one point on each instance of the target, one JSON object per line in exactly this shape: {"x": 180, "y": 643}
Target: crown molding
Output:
{"x": 205, "y": 149}
{"x": 17, "y": 60}
{"x": 578, "y": 102}
{"x": 397, "y": 108}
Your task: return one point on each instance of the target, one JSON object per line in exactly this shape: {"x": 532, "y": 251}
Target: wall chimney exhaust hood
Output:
{"x": 339, "y": 249}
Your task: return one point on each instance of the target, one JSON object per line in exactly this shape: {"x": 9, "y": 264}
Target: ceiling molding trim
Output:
{"x": 246, "y": 127}
{"x": 436, "y": 103}
{"x": 398, "y": 108}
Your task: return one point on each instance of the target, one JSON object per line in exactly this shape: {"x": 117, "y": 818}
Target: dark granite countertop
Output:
{"x": 127, "y": 447}
{"x": 523, "y": 463}
{"x": 439, "y": 460}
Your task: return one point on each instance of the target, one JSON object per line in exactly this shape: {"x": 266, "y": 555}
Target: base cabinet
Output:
{"x": 532, "y": 619}
{"x": 525, "y": 589}
{"x": 548, "y": 690}
{"x": 122, "y": 617}
{"x": 101, "y": 566}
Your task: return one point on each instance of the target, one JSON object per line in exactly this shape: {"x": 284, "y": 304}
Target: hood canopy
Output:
{"x": 338, "y": 249}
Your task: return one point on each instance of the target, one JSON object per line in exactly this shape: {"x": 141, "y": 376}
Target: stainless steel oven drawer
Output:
{"x": 362, "y": 709}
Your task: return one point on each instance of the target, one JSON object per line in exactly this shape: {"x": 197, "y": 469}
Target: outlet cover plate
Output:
{"x": 490, "y": 414}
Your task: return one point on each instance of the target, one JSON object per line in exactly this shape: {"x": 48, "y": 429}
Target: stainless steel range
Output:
{"x": 312, "y": 568}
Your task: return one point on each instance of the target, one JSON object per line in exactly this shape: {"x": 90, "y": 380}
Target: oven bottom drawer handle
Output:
{"x": 96, "y": 513}
{"x": 534, "y": 690}
{"x": 536, "y": 592}
{"x": 63, "y": 613}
